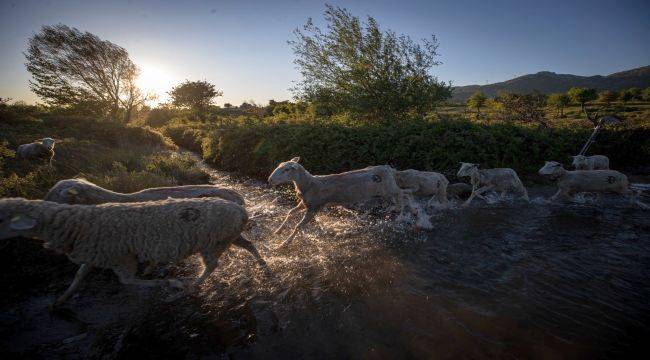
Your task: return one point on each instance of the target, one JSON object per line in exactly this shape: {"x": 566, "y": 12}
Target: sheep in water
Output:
{"x": 594, "y": 162}
{"x": 349, "y": 187}
{"x": 81, "y": 191}
{"x": 37, "y": 149}
{"x": 424, "y": 183}
{"x": 598, "y": 181}
{"x": 116, "y": 236}
{"x": 500, "y": 180}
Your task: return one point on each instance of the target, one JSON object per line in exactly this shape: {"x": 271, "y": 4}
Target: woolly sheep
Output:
{"x": 598, "y": 181}
{"x": 424, "y": 183}
{"x": 594, "y": 162}
{"x": 81, "y": 191}
{"x": 37, "y": 149}
{"x": 350, "y": 187}
{"x": 117, "y": 236}
{"x": 500, "y": 180}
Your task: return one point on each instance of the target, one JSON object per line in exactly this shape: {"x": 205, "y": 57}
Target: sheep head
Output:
{"x": 48, "y": 142}
{"x": 14, "y": 219}
{"x": 466, "y": 169}
{"x": 551, "y": 168}
{"x": 285, "y": 172}
{"x": 579, "y": 162}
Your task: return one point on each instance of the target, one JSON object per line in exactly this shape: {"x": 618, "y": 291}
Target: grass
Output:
{"x": 634, "y": 114}
{"x": 112, "y": 155}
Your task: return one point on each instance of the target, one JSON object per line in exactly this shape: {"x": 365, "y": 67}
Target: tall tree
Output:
{"x": 607, "y": 97}
{"x": 196, "y": 95}
{"x": 559, "y": 101}
{"x": 70, "y": 67}
{"x": 358, "y": 68}
{"x": 582, "y": 96}
{"x": 626, "y": 95}
{"x": 477, "y": 101}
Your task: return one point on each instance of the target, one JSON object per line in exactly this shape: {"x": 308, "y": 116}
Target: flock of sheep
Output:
{"x": 96, "y": 227}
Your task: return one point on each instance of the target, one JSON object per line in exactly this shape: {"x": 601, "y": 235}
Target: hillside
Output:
{"x": 550, "y": 82}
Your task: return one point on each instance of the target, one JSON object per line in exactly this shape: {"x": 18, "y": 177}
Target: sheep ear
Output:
{"x": 22, "y": 222}
{"x": 296, "y": 159}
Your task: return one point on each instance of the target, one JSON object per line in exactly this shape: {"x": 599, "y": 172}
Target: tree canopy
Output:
{"x": 197, "y": 95}
{"x": 354, "y": 66}
{"x": 73, "y": 68}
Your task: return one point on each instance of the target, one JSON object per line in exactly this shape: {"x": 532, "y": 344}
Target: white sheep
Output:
{"x": 37, "y": 149}
{"x": 424, "y": 183}
{"x": 81, "y": 191}
{"x": 117, "y": 236}
{"x": 500, "y": 180}
{"x": 598, "y": 181}
{"x": 594, "y": 162}
{"x": 314, "y": 192}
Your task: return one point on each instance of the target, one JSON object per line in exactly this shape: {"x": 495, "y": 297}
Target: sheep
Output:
{"x": 598, "y": 181}
{"x": 501, "y": 179}
{"x": 37, "y": 149}
{"x": 350, "y": 187}
{"x": 81, "y": 191}
{"x": 424, "y": 183}
{"x": 117, "y": 235}
{"x": 594, "y": 162}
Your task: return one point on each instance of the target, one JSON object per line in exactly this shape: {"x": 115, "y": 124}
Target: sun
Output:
{"x": 157, "y": 80}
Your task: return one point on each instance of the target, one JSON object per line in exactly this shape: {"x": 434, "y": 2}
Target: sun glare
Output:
{"x": 157, "y": 80}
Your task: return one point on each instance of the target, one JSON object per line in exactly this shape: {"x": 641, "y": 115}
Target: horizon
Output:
{"x": 172, "y": 42}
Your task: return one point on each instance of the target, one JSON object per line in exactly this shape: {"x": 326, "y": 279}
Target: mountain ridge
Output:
{"x": 550, "y": 82}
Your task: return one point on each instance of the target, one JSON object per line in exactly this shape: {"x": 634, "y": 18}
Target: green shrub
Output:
{"x": 119, "y": 157}
{"x": 255, "y": 149}
{"x": 158, "y": 117}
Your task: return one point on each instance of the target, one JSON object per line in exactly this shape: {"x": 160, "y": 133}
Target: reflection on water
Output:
{"x": 493, "y": 280}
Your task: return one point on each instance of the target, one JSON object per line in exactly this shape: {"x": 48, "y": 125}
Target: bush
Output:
{"x": 158, "y": 117}
{"x": 119, "y": 157}
{"x": 256, "y": 149}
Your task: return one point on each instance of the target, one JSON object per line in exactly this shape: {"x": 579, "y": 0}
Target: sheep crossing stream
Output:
{"x": 494, "y": 280}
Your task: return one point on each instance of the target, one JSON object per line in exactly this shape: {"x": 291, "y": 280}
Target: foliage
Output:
{"x": 582, "y": 96}
{"x": 71, "y": 68}
{"x": 121, "y": 158}
{"x": 197, "y": 95}
{"x": 559, "y": 102}
{"x": 358, "y": 68}
{"x": 477, "y": 101}
{"x": 525, "y": 108}
{"x": 158, "y": 117}
{"x": 607, "y": 97}
{"x": 255, "y": 149}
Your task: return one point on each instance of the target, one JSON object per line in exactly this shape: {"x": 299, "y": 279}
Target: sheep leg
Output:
{"x": 309, "y": 215}
{"x": 126, "y": 273}
{"x": 559, "y": 193}
{"x": 84, "y": 269}
{"x": 298, "y": 207}
{"x": 477, "y": 192}
{"x": 245, "y": 244}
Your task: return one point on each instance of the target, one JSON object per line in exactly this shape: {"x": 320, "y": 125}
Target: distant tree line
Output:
{"x": 531, "y": 108}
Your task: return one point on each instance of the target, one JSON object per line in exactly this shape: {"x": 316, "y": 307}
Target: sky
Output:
{"x": 241, "y": 46}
